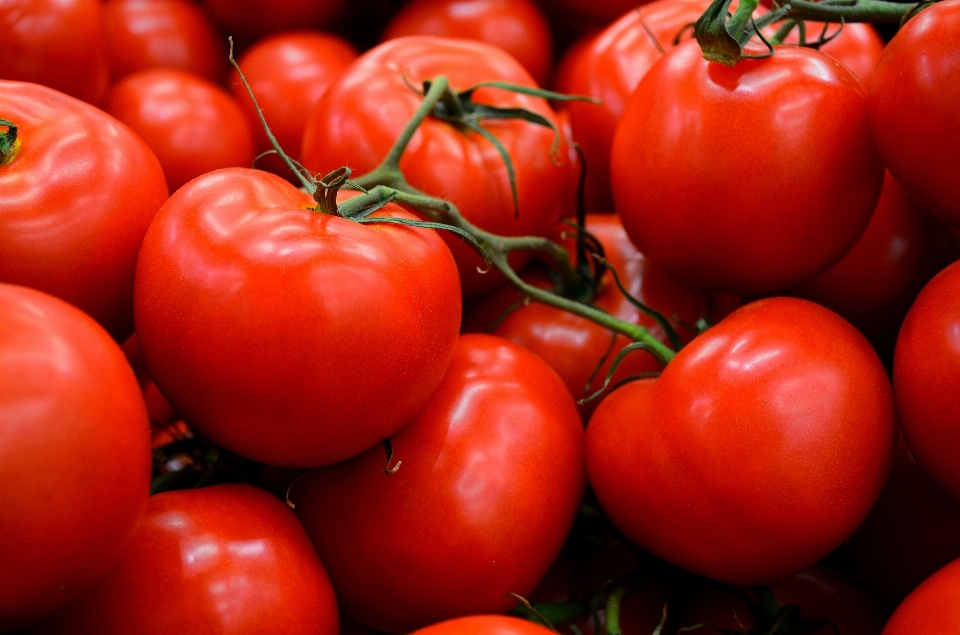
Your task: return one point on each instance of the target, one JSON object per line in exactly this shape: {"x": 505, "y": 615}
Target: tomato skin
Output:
{"x": 192, "y": 125}
{"x": 78, "y": 198}
{"x": 517, "y": 26}
{"x": 57, "y": 43}
{"x": 170, "y": 33}
{"x": 759, "y": 206}
{"x": 932, "y": 608}
{"x": 491, "y": 477}
{"x": 289, "y": 72}
{"x": 926, "y": 367}
{"x": 858, "y": 46}
{"x": 222, "y": 559}
{"x": 74, "y": 454}
{"x": 360, "y": 116}
{"x": 484, "y": 625}
{"x": 914, "y": 100}
{"x": 758, "y": 450}
{"x": 259, "y": 317}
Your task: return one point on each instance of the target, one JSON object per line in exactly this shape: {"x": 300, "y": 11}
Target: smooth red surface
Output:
{"x": 77, "y": 200}
{"x": 225, "y": 560}
{"x": 490, "y": 478}
{"x": 192, "y": 125}
{"x": 932, "y": 609}
{"x": 484, "y": 625}
{"x": 747, "y": 179}
{"x": 287, "y": 335}
{"x": 74, "y": 454}
{"x": 760, "y": 448}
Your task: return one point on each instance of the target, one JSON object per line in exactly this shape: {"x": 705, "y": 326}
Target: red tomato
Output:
{"x": 926, "y": 369}
{"x": 715, "y": 186}
{"x": 77, "y": 199}
{"x": 858, "y": 45}
{"x": 256, "y": 18}
{"x": 289, "y": 336}
{"x": 74, "y": 454}
{"x": 192, "y": 125}
{"x": 170, "y": 33}
{"x": 358, "y": 119}
{"x": 484, "y": 625}
{"x": 289, "y": 73}
{"x": 57, "y": 43}
{"x": 758, "y": 450}
{"x": 932, "y": 609}
{"x": 222, "y": 559}
{"x": 517, "y": 26}
{"x": 914, "y": 101}
{"x": 490, "y": 479}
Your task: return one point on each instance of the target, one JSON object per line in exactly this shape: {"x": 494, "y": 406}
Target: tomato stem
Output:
{"x": 8, "y": 142}
{"x": 613, "y": 611}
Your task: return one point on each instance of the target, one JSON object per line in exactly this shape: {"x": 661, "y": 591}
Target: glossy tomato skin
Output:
{"x": 192, "y": 125}
{"x": 169, "y": 33}
{"x": 490, "y": 478}
{"x": 57, "y": 43}
{"x": 932, "y": 608}
{"x": 74, "y": 454}
{"x": 287, "y": 335}
{"x": 484, "y": 625}
{"x": 926, "y": 368}
{"x": 222, "y": 559}
{"x": 78, "y": 197}
{"x": 858, "y": 46}
{"x": 517, "y": 26}
{"x": 359, "y": 118}
{"x": 760, "y": 205}
{"x": 914, "y": 100}
{"x": 288, "y": 72}
{"x": 760, "y": 448}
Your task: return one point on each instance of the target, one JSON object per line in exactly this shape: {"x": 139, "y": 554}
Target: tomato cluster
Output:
{"x": 411, "y": 342}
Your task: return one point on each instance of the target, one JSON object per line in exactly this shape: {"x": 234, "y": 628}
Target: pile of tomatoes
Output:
{"x": 679, "y": 353}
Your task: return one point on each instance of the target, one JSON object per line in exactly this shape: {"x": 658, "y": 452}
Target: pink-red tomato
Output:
{"x": 914, "y": 101}
{"x": 169, "y": 33}
{"x": 484, "y": 625}
{"x": 256, "y": 18}
{"x": 490, "y": 478}
{"x": 290, "y": 336}
{"x": 759, "y": 449}
{"x": 747, "y": 179}
{"x": 358, "y": 119}
{"x": 57, "y": 43}
{"x": 288, "y": 72}
{"x": 517, "y": 26}
{"x": 192, "y": 125}
{"x": 222, "y": 559}
{"x": 78, "y": 195}
{"x": 932, "y": 609}
{"x": 74, "y": 454}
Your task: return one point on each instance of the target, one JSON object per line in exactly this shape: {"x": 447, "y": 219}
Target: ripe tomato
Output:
{"x": 289, "y": 73}
{"x": 222, "y": 559}
{"x": 926, "y": 368}
{"x": 192, "y": 125}
{"x": 360, "y": 116}
{"x": 77, "y": 199}
{"x": 517, "y": 26}
{"x": 289, "y": 336}
{"x": 714, "y": 185}
{"x": 858, "y": 45}
{"x": 932, "y": 609}
{"x": 490, "y": 479}
{"x": 170, "y": 33}
{"x": 914, "y": 101}
{"x": 74, "y": 454}
{"x": 484, "y": 625}
{"x": 758, "y": 450}
{"x": 57, "y": 43}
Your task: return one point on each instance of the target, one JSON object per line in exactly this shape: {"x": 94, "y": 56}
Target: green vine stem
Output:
{"x": 8, "y": 142}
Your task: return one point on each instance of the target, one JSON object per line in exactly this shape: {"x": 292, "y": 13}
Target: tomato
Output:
{"x": 289, "y": 336}
{"x": 759, "y": 205}
{"x": 222, "y": 559}
{"x": 490, "y": 478}
{"x": 170, "y": 33}
{"x": 484, "y": 625}
{"x": 926, "y": 368}
{"x": 758, "y": 450}
{"x": 74, "y": 454}
{"x": 602, "y": 10}
{"x": 517, "y": 26}
{"x": 57, "y": 43}
{"x": 192, "y": 125}
{"x": 914, "y": 100}
{"x": 288, "y": 73}
{"x": 932, "y": 608}
{"x": 256, "y": 18}
{"x": 858, "y": 46}
{"x": 77, "y": 199}
{"x": 360, "y": 116}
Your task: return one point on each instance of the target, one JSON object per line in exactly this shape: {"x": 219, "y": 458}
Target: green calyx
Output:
{"x": 9, "y": 145}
